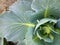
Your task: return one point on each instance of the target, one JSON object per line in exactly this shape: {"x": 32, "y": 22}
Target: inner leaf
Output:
{"x": 45, "y": 30}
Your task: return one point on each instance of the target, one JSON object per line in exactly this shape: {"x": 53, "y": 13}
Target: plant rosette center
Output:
{"x": 45, "y": 29}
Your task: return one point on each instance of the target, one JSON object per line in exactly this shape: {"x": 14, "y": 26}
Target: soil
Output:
{"x": 4, "y": 4}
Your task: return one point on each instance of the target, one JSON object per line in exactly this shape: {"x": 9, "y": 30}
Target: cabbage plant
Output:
{"x": 31, "y": 22}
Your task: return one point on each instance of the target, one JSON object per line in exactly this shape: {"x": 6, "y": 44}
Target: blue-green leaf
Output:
{"x": 14, "y": 27}
{"x": 21, "y": 7}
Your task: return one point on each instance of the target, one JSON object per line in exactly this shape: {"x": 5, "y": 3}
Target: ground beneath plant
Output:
{"x": 4, "y": 4}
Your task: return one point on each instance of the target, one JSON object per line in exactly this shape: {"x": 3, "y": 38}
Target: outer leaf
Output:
{"x": 42, "y": 4}
{"x": 14, "y": 24}
{"x": 27, "y": 0}
{"x": 14, "y": 27}
{"x": 1, "y": 41}
{"x": 21, "y": 7}
{"x": 50, "y": 7}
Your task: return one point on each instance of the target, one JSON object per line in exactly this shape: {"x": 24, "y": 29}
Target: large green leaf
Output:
{"x": 21, "y": 7}
{"x": 14, "y": 27}
{"x": 14, "y": 23}
{"x": 48, "y": 6}
{"x": 1, "y": 41}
